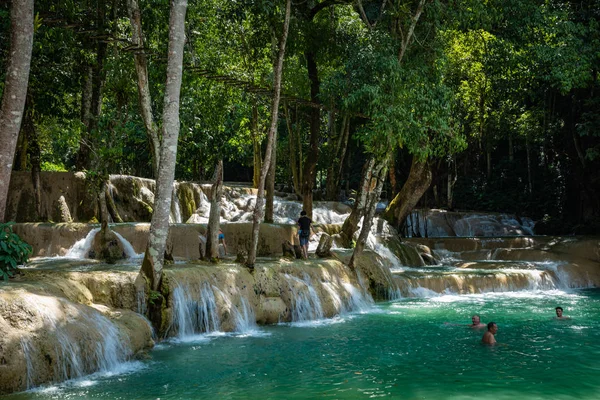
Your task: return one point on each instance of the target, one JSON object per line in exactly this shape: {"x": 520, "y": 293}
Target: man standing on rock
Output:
{"x": 304, "y": 233}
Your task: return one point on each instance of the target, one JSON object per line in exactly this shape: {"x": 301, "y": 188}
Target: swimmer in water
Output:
{"x": 559, "y": 313}
{"x": 476, "y": 322}
{"x": 488, "y": 337}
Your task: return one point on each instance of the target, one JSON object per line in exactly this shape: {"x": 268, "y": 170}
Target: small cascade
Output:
{"x": 245, "y": 320}
{"x": 127, "y": 247}
{"x": 82, "y": 247}
{"x": 140, "y": 295}
{"x": 419, "y": 282}
{"x": 88, "y": 342}
{"x": 194, "y": 315}
{"x": 28, "y": 350}
{"x": 356, "y": 300}
{"x": 175, "y": 217}
{"x": 306, "y": 305}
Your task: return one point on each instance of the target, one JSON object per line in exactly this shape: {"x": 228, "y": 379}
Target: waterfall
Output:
{"x": 86, "y": 343}
{"x": 356, "y": 300}
{"x": 127, "y": 247}
{"x": 81, "y": 248}
{"x": 306, "y": 305}
{"x": 175, "y": 217}
{"x": 192, "y": 316}
{"x": 28, "y": 352}
{"x": 245, "y": 320}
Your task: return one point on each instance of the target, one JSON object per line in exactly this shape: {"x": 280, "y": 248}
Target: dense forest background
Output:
{"x": 499, "y": 99}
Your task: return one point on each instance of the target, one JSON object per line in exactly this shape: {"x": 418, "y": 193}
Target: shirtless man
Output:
{"x": 476, "y": 322}
{"x": 559, "y": 314}
{"x": 488, "y": 337}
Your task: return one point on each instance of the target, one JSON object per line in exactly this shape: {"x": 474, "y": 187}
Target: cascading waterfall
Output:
{"x": 245, "y": 320}
{"x": 192, "y": 316}
{"x": 306, "y": 304}
{"x": 90, "y": 343}
{"x": 127, "y": 247}
{"x": 28, "y": 352}
{"x": 82, "y": 247}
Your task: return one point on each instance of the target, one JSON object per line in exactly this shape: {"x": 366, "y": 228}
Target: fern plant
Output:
{"x": 13, "y": 251}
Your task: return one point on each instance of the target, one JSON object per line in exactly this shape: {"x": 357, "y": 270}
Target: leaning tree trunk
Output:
{"x": 159, "y": 227}
{"x": 417, "y": 183}
{"x": 271, "y": 184}
{"x": 212, "y": 234}
{"x": 277, "y": 72}
{"x": 141, "y": 69}
{"x": 367, "y": 184}
{"x": 15, "y": 90}
{"x": 379, "y": 173}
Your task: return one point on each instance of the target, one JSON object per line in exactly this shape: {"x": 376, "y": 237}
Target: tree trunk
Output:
{"x": 141, "y": 69}
{"x": 310, "y": 167}
{"x": 86, "y": 96}
{"x": 378, "y": 177}
{"x": 214, "y": 218}
{"x": 277, "y": 72}
{"x": 350, "y": 225}
{"x": 271, "y": 184}
{"x": 36, "y": 167}
{"x": 418, "y": 182}
{"x": 255, "y": 145}
{"x": 392, "y": 173}
{"x": 337, "y": 161}
{"x": 159, "y": 227}
{"x": 98, "y": 77}
{"x": 295, "y": 147}
{"x": 15, "y": 90}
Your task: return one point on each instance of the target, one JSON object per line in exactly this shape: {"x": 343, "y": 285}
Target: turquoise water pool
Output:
{"x": 408, "y": 349}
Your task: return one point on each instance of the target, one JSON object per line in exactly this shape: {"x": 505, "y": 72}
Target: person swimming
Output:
{"x": 488, "y": 337}
{"x": 559, "y": 313}
{"x": 476, "y": 322}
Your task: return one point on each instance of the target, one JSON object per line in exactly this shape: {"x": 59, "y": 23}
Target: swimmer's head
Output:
{"x": 475, "y": 319}
{"x": 559, "y": 311}
{"x": 492, "y": 327}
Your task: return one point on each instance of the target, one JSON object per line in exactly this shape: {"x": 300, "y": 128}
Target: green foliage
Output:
{"x": 48, "y": 166}
{"x": 13, "y": 251}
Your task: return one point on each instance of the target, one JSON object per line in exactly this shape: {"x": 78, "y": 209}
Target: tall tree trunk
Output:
{"x": 529, "y": 179}
{"x": 86, "y": 96}
{"x": 30, "y": 133}
{"x": 452, "y": 178}
{"x": 214, "y": 218}
{"x": 277, "y": 72}
{"x": 392, "y": 173}
{"x": 367, "y": 184}
{"x": 269, "y": 208}
{"x": 310, "y": 167}
{"x": 419, "y": 179}
{"x": 141, "y": 69}
{"x": 152, "y": 265}
{"x": 295, "y": 148}
{"x": 98, "y": 78}
{"x": 15, "y": 90}
{"x": 378, "y": 177}
{"x": 337, "y": 161}
{"x": 257, "y": 164}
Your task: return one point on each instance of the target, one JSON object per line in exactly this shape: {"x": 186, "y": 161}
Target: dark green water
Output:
{"x": 401, "y": 350}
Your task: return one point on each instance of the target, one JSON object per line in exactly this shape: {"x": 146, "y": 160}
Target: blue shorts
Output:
{"x": 303, "y": 239}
